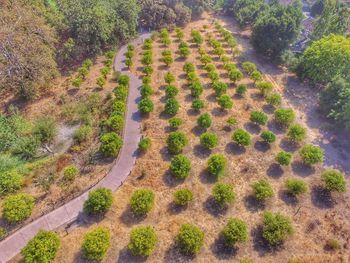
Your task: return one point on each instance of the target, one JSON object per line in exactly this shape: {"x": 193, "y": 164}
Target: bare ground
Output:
{"x": 316, "y": 216}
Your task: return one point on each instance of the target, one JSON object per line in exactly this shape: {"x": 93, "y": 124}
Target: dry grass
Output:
{"x": 316, "y": 218}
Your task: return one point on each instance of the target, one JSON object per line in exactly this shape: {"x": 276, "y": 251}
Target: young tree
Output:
{"x": 99, "y": 201}
{"x": 333, "y": 180}
{"x": 142, "y": 201}
{"x": 190, "y": 239}
{"x": 235, "y": 232}
{"x": 296, "y": 133}
{"x": 145, "y": 144}
{"x": 209, "y": 140}
{"x": 171, "y": 106}
{"x": 284, "y": 158}
{"x": 276, "y": 228}
{"x": 241, "y": 137}
{"x": 220, "y": 88}
{"x": 111, "y": 143}
{"x": 311, "y": 154}
{"x": 197, "y": 104}
{"x": 183, "y": 197}
{"x": 204, "y": 120}
{"x": 225, "y": 102}
{"x": 223, "y": 194}
{"x": 42, "y": 247}
{"x": 17, "y": 208}
{"x": 145, "y": 105}
{"x": 268, "y": 136}
{"x": 143, "y": 241}
{"x": 180, "y": 166}
{"x": 262, "y": 190}
{"x": 176, "y": 142}
{"x": 96, "y": 243}
{"x": 258, "y": 117}
{"x": 217, "y": 165}
{"x": 296, "y": 186}
{"x": 284, "y": 117}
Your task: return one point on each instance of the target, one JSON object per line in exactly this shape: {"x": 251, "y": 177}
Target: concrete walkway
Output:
{"x": 69, "y": 212}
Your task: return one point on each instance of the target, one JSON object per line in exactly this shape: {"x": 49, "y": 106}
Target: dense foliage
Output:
{"x": 334, "y": 180}
{"x": 183, "y": 197}
{"x": 235, "y": 231}
{"x": 190, "y": 239}
{"x": 142, "y": 201}
{"x": 223, "y": 194}
{"x": 143, "y": 240}
{"x": 180, "y": 166}
{"x": 42, "y": 247}
{"x": 276, "y": 228}
{"x": 99, "y": 201}
{"x": 17, "y": 208}
{"x": 96, "y": 243}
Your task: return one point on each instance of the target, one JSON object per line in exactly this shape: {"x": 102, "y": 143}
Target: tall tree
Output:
{"x": 276, "y": 28}
{"x": 334, "y": 19}
{"x": 27, "y": 54}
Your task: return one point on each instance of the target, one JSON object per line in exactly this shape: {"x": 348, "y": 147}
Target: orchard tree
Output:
{"x": 180, "y": 166}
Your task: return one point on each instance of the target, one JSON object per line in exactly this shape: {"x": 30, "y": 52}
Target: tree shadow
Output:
{"x": 125, "y": 256}
{"x": 275, "y": 127}
{"x": 201, "y": 152}
{"x": 175, "y": 209}
{"x": 211, "y": 97}
{"x": 268, "y": 109}
{"x": 252, "y": 128}
{"x": 189, "y": 98}
{"x": 321, "y": 198}
{"x": 253, "y": 205}
{"x": 260, "y": 245}
{"x": 166, "y": 156}
{"x": 213, "y": 208}
{"x": 222, "y": 251}
{"x": 257, "y": 96}
{"x": 173, "y": 254}
{"x": 288, "y": 198}
{"x": 206, "y": 178}
{"x": 301, "y": 169}
{"x": 129, "y": 219}
{"x": 235, "y": 149}
{"x": 193, "y": 112}
{"x": 262, "y": 146}
{"x": 182, "y": 76}
{"x": 275, "y": 171}
{"x": 197, "y": 130}
{"x": 170, "y": 180}
{"x": 218, "y": 112}
{"x": 288, "y": 146}
{"x": 163, "y": 67}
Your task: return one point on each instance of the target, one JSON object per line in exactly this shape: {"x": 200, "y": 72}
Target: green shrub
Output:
{"x": 296, "y": 133}
{"x": 284, "y": 117}
{"x": 189, "y": 67}
{"x": 333, "y": 180}
{"x": 256, "y": 76}
{"x": 83, "y": 71}
{"x": 17, "y": 208}
{"x": 311, "y": 154}
{"x": 296, "y": 186}
{"x": 196, "y": 88}
{"x": 223, "y": 194}
{"x": 142, "y": 201}
{"x": 147, "y": 70}
{"x": 184, "y": 52}
{"x": 77, "y": 82}
{"x": 115, "y": 123}
{"x": 121, "y": 92}
{"x": 231, "y": 121}
{"x": 217, "y": 165}
{"x": 169, "y": 78}
{"x": 235, "y": 75}
{"x": 241, "y": 137}
{"x": 131, "y": 47}
{"x": 197, "y": 104}
{"x": 96, "y": 243}
{"x": 118, "y": 108}
{"x": 123, "y": 80}
{"x": 180, "y": 166}
{"x": 229, "y": 67}
{"x": 196, "y": 37}
{"x": 147, "y": 59}
{"x": 206, "y": 59}
{"x": 42, "y": 247}
{"x": 274, "y": 99}
{"x": 171, "y": 91}
{"x": 3, "y": 233}
{"x": 146, "y": 90}
{"x": 143, "y": 240}
{"x": 235, "y": 232}
{"x": 109, "y": 54}
{"x": 176, "y": 141}
{"x": 209, "y": 140}
{"x": 190, "y": 239}
{"x": 241, "y": 89}
{"x": 249, "y": 67}
{"x": 172, "y": 106}
{"x": 204, "y": 120}
{"x": 145, "y": 105}
{"x": 10, "y": 182}
{"x": 264, "y": 87}
{"x": 111, "y": 143}
{"x": 262, "y": 189}
{"x": 129, "y": 55}
{"x": 87, "y": 63}
{"x": 183, "y": 197}
{"x": 214, "y": 76}
{"x": 268, "y": 136}
{"x": 258, "y": 117}
{"x": 146, "y": 80}
{"x": 192, "y": 76}
{"x": 284, "y": 158}
{"x": 82, "y": 134}
{"x": 101, "y": 81}
{"x": 333, "y": 244}
{"x": 105, "y": 71}
{"x": 210, "y": 68}
{"x": 69, "y": 173}
{"x": 99, "y": 201}
{"x": 45, "y": 129}
{"x": 225, "y": 102}
{"x": 276, "y": 228}
{"x": 168, "y": 60}
{"x": 145, "y": 144}
{"x": 175, "y": 122}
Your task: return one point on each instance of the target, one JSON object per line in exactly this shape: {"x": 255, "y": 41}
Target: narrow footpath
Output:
{"x": 12, "y": 245}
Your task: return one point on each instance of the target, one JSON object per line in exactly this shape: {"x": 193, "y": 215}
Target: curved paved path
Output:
{"x": 69, "y": 212}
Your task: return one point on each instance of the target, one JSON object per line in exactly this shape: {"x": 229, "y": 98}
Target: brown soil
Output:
{"x": 316, "y": 217}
